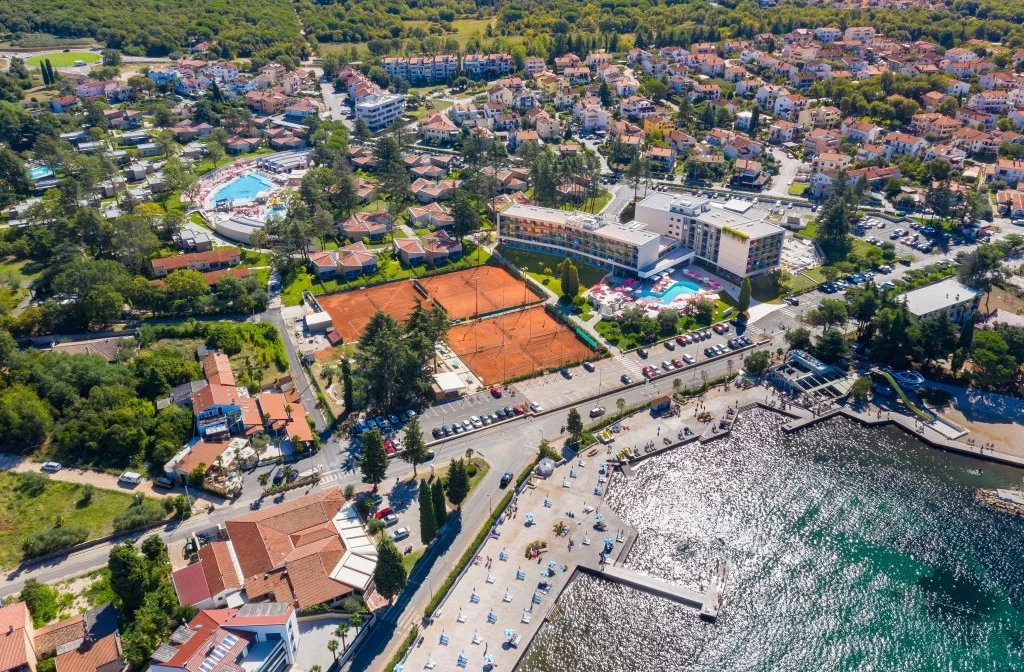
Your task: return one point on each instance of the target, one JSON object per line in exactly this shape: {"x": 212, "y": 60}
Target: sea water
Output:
{"x": 849, "y": 548}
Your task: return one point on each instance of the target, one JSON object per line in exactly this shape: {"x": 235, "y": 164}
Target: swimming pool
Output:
{"x": 39, "y": 172}
{"x": 680, "y": 288}
{"x": 275, "y": 211}
{"x": 243, "y": 189}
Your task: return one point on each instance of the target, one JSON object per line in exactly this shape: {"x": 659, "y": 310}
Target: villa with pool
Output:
{"x": 239, "y": 198}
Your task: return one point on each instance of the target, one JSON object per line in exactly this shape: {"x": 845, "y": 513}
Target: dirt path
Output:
{"x": 80, "y": 476}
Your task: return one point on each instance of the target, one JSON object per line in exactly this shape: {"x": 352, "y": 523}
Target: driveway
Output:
{"x": 787, "y": 171}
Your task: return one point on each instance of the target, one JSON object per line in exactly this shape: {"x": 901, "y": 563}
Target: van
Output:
{"x": 130, "y": 477}
{"x": 163, "y": 482}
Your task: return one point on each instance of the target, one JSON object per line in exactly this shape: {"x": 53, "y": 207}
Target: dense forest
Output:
{"x": 270, "y": 28}
{"x": 242, "y": 28}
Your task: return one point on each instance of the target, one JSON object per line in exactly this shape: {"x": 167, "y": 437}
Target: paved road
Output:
{"x": 787, "y": 171}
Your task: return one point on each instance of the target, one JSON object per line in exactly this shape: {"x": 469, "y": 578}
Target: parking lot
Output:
{"x": 460, "y": 410}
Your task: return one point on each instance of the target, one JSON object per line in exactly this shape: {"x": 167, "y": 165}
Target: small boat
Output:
{"x": 586, "y": 541}
{"x": 600, "y": 526}
{"x": 974, "y": 472}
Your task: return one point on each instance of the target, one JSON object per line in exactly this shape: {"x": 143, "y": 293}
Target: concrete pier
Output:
{"x": 709, "y": 602}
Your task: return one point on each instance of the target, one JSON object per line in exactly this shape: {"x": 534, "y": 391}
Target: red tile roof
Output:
{"x": 15, "y": 627}
{"x": 190, "y": 585}
{"x": 221, "y": 256}
{"x": 217, "y": 369}
{"x": 93, "y": 656}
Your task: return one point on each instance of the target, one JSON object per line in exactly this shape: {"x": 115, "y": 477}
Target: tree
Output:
{"x": 574, "y": 424}
{"x": 757, "y": 362}
{"x": 938, "y": 336}
{"x": 41, "y": 601}
{"x": 346, "y": 383}
{"x": 457, "y": 486}
{"x": 861, "y": 388}
{"x": 428, "y": 524}
{"x": 374, "y": 463}
{"x": 389, "y": 575}
{"x": 465, "y": 214}
{"x": 361, "y": 129}
{"x": 264, "y": 479}
{"x": 127, "y": 577}
{"x": 375, "y": 526}
{"x": 341, "y": 631}
{"x": 620, "y": 405}
{"x": 828, "y": 313}
{"x": 994, "y": 365}
{"x": 439, "y": 507}
{"x": 415, "y": 452}
{"x": 755, "y": 116}
{"x": 966, "y": 338}
{"x": 831, "y": 347}
{"x": 895, "y": 337}
{"x": 980, "y": 267}
{"x": 214, "y": 150}
{"x": 570, "y": 278}
{"x": 332, "y": 646}
{"x": 111, "y": 58}
{"x": 743, "y": 302}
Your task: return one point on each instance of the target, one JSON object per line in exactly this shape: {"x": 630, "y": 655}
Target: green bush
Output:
{"x": 51, "y": 541}
{"x": 471, "y": 470}
{"x": 138, "y": 516}
{"x": 407, "y": 643}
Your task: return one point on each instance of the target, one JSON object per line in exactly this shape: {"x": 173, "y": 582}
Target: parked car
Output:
{"x": 476, "y": 421}
{"x": 589, "y": 366}
{"x": 566, "y": 373}
{"x": 626, "y": 380}
{"x": 390, "y": 519}
{"x": 642, "y": 352}
{"x": 437, "y": 433}
{"x": 597, "y": 412}
{"x": 52, "y": 467}
{"x": 670, "y": 345}
{"x": 495, "y": 391}
{"x": 689, "y": 359}
{"x": 383, "y": 513}
{"x": 678, "y": 363}
{"x": 792, "y": 300}
{"x": 400, "y": 533}
{"x": 506, "y": 478}
{"x": 535, "y": 407}
{"x": 666, "y": 365}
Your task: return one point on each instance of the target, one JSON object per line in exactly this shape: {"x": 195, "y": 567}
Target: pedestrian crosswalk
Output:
{"x": 628, "y": 363}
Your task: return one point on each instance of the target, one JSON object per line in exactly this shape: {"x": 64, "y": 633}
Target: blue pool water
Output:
{"x": 276, "y": 211}
{"x": 674, "y": 291}
{"x": 244, "y": 188}
{"x": 39, "y": 172}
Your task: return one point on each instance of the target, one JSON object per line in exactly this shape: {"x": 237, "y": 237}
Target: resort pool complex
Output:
{"x": 244, "y": 188}
{"x": 39, "y": 172}
{"x": 679, "y": 288}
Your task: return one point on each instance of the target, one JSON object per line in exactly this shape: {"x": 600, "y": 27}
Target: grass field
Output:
{"x": 24, "y": 511}
{"x": 63, "y": 59}
{"x": 798, "y": 188}
{"x": 535, "y": 264}
{"x": 22, "y": 272}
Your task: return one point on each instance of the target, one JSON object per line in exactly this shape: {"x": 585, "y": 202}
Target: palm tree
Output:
{"x": 263, "y": 479}
{"x": 356, "y": 621}
{"x": 341, "y": 631}
{"x": 332, "y": 646}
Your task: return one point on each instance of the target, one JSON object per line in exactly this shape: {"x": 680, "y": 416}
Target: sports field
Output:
{"x": 351, "y": 311}
{"x": 478, "y": 291}
{"x": 63, "y": 59}
{"x": 503, "y": 347}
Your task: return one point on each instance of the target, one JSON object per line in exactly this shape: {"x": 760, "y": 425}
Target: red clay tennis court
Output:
{"x": 478, "y": 291}
{"x": 351, "y": 311}
{"x": 503, "y": 347}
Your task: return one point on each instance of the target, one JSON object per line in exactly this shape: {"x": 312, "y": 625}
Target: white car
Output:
{"x": 52, "y": 467}
{"x": 477, "y": 422}
{"x": 535, "y": 407}
{"x": 688, "y": 358}
{"x": 400, "y": 533}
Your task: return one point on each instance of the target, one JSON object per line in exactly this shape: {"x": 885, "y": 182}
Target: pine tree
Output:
{"x": 570, "y": 277}
{"x": 458, "y": 483}
{"x": 966, "y": 334}
{"x": 389, "y": 575}
{"x": 374, "y": 464}
{"x": 440, "y": 508}
{"x": 574, "y": 425}
{"x": 755, "y": 116}
{"x": 428, "y": 525}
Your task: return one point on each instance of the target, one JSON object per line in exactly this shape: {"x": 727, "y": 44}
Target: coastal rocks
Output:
{"x": 1007, "y": 501}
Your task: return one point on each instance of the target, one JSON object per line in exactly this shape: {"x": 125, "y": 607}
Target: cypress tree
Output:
{"x": 389, "y": 575}
{"x": 428, "y": 525}
{"x": 439, "y": 508}
{"x": 458, "y": 482}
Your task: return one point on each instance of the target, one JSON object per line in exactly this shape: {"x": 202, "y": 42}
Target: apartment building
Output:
{"x": 380, "y": 110}
{"x": 628, "y": 248}
{"x": 423, "y": 69}
{"x": 732, "y": 238}
{"x": 487, "y": 66}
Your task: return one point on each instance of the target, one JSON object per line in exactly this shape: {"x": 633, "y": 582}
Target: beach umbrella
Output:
{"x": 489, "y": 659}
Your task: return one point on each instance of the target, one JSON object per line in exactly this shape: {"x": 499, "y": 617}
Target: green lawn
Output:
{"x": 434, "y": 106}
{"x": 798, "y": 188}
{"x": 25, "y": 511}
{"x": 630, "y": 341}
{"x": 23, "y": 271}
{"x": 63, "y": 59}
{"x": 386, "y": 272}
{"x": 536, "y": 263}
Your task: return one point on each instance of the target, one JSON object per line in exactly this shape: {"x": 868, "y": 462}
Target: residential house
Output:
{"x": 220, "y": 258}
{"x": 371, "y": 225}
{"x": 355, "y": 260}
{"x": 438, "y": 129}
{"x": 899, "y": 143}
{"x": 661, "y": 159}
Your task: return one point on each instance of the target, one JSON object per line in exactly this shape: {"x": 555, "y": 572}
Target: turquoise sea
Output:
{"x": 849, "y": 549}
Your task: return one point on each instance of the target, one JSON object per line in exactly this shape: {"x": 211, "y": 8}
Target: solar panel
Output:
{"x": 218, "y": 653}
{"x": 229, "y": 641}
{"x": 207, "y": 666}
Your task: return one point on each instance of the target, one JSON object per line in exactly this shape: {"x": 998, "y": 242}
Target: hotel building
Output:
{"x": 380, "y": 110}
{"x": 622, "y": 248}
{"x": 734, "y": 238}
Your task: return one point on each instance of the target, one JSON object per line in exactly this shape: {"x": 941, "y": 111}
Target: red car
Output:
{"x": 389, "y": 447}
{"x": 495, "y": 391}
{"x": 682, "y": 340}
{"x": 386, "y": 511}
{"x": 650, "y": 371}
{"x": 678, "y": 363}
